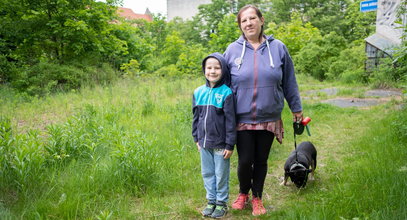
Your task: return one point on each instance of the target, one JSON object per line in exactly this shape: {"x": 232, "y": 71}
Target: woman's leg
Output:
{"x": 263, "y": 140}
{"x": 245, "y": 150}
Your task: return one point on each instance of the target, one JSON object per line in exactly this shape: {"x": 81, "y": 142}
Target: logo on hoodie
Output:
{"x": 218, "y": 98}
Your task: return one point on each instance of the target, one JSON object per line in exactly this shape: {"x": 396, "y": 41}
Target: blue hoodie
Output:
{"x": 214, "y": 123}
{"x": 261, "y": 79}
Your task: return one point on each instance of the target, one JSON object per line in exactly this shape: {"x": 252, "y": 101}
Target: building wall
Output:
{"x": 386, "y": 20}
{"x": 184, "y": 9}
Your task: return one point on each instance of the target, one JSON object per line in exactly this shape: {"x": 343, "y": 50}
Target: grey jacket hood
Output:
{"x": 225, "y": 78}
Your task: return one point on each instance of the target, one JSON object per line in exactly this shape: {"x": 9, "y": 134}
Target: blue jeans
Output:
{"x": 215, "y": 173}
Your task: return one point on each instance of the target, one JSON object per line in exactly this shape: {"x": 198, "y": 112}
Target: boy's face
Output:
{"x": 213, "y": 71}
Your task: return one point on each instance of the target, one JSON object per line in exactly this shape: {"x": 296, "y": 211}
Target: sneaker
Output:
{"x": 220, "y": 211}
{"x": 241, "y": 201}
{"x": 258, "y": 208}
{"x": 208, "y": 209}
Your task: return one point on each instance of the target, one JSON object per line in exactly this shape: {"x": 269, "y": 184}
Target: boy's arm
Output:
{"x": 195, "y": 120}
{"x": 229, "y": 109}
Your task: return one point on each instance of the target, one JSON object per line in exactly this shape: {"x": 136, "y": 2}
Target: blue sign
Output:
{"x": 369, "y": 5}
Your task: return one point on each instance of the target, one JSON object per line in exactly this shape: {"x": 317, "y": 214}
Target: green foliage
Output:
{"x": 46, "y": 77}
{"x": 358, "y": 25}
{"x": 228, "y": 32}
{"x": 386, "y": 74}
{"x": 8, "y": 69}
{"x": 210, "y": 15}
{"x": 190, "y": 60}
{"x": 349, "y": 65}
{"x": 170, "y": 70}
{"x": 131, "y": 69}
{"x": 315, "y": 58}
{"x": 295, "y": 34}
{"x": 174, "y": 45}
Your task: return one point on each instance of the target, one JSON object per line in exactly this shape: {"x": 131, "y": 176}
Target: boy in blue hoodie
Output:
{"x": 214, "y": 132}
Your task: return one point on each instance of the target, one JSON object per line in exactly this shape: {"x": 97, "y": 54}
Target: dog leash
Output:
{"x": 298, "y": 127}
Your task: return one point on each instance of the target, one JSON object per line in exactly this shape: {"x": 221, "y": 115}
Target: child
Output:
{"x": 214, "y": 132}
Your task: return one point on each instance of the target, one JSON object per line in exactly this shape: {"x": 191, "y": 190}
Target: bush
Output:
{"x": 387, "y": 74}
{"x": 47, "y": 77}
{"x": 7, "y": 69}
{"x": 190, "y": 61}
{"x": 315, "y": 58}
{"x": 170, "y": 70}
{"x": 349, "y": 65}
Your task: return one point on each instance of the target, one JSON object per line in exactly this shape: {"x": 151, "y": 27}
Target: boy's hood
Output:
{"x": 225, "y": 78}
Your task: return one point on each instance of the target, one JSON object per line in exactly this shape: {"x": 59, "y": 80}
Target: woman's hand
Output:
{"x": 227, "y": 154}
{"x": 199, "y": 147}
{"x": 297, "y": 116}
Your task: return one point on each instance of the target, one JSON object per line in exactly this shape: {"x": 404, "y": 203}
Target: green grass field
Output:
{"x": 126, "y": 152}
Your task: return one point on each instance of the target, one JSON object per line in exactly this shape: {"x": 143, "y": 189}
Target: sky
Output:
{"x": 139, "y": 6}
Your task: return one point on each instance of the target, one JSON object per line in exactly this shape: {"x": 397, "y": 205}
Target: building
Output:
{"x": 389, "y": 34}
{"x": 128, "y": 14}
{"x": 184, "y": 9}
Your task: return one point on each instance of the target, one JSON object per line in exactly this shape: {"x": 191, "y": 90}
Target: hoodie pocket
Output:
{"x": 244, "y": 99}
{"x": 269, "y": 100}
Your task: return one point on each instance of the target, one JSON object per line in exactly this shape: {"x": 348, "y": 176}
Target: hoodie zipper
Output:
{"x": 255, "y": 72}
{"x": 206, "y": 116}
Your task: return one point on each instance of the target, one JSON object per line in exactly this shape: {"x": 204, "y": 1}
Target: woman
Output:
{"x": 262, "y": 75}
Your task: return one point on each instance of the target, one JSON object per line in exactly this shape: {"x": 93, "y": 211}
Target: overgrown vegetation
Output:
{"x": 125, "y": 151}
{"x": 50, "y": 46}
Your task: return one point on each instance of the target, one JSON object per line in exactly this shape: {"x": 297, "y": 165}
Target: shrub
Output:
{"x": 315, "y": 58}
{"x": 190, "y": 61}
{"x": 7, "y": 69}
{"x": 170, "y": 70}
{"x": 131, "y": 69}
{"x": 349, "y": 65}
{"x": 47, "y": 77}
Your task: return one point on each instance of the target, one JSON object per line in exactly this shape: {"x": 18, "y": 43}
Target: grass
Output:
{"x": 126, "y": 152}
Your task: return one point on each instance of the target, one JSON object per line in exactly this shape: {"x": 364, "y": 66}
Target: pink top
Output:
{"x": 275, "y": 127}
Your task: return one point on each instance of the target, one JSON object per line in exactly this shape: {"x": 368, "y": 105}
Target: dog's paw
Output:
{"x": 311, "y": 177}
{"x": 283, "y": 183}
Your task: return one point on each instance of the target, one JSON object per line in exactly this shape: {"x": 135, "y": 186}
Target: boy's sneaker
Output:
{"x": 258, "y": 208}
{"x": 220, "y": 211}
{"x": 241, "y": 201}
{"x": 209, "y": 209}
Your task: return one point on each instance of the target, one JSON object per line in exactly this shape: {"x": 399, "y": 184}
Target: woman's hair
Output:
{"x": 258, "y": 13}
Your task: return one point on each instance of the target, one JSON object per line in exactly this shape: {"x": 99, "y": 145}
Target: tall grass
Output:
{"x": 125, "y": 151}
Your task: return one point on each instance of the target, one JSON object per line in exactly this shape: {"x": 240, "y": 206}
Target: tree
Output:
{"x": 295, "y": 34}
{"x": 58, "y": 30}
{"x": 316, "y": 57}
{"x": 326, "y": 15}
{"x": 228, "y": 32}
{"x": 174, "y": 45}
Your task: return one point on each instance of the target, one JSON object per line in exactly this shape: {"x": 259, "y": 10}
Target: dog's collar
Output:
{"x": 297, "y": 164}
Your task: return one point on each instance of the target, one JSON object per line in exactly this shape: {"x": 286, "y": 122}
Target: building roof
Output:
{"x": 382, "y": 43}
{"x": 128, "y": 14}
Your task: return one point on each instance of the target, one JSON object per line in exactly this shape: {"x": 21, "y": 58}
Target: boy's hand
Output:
{"x": 199, "y": 147}
{"x": 227, "y": 154}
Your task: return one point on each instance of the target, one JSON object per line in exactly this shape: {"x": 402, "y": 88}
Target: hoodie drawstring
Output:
{"x": 271, "y": 58}
{"x": 244, "y": 50}
{"x": 241, "y": 56}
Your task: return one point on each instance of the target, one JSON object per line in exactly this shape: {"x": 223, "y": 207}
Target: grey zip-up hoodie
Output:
{"x": 214, "y": 123}
{"x": 261, "y": 79}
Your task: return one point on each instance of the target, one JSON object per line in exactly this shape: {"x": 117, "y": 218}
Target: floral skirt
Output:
{"x": 275, "y": 127}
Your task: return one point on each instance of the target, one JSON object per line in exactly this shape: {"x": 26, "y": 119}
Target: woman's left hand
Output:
{"x": 297, "y": 116}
